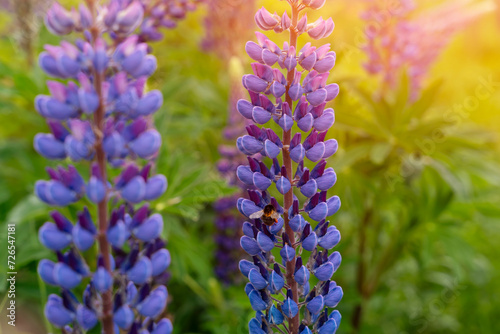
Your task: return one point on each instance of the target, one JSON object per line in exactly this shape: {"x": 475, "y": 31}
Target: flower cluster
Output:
{"x": 225, "y": 29}
{"x": 101, "y": 112}
{"x": 397, "y": 38}
{"x": 290, "y": 275}
{"x": 122, "y": 17}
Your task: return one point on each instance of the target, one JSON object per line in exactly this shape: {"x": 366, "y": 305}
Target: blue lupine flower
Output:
{"x": 271, "y": 93}
{"x": 98, "y": 115}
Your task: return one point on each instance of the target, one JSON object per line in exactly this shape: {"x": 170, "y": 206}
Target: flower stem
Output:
{"x": 102, "y": 207}
{"x": 294, "y": 322}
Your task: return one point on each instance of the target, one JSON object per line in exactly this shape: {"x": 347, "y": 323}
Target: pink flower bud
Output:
{"x": 302, "y": 24}
{"x": 317, "y": 4}
{"x": 266, "y": 20}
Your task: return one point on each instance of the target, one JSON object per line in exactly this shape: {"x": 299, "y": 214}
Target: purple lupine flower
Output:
{"x": 398, "y": 38}
{"x": 225, "y": 31}
{"x": 103, "y": 114}
{"x": 274, "y": 235}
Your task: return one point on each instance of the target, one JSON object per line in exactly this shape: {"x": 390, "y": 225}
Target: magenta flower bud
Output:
{"x": 56, "y": 313}
{"x": 141, "y": 272}
{"x": 320, "y": 28}
{"x": 302, "y": 24}
{"x": 59, "y": 21}
{"x": 265, "y": 20}
{"x": 155, "y": 303}
{"x": 286, "y": 22}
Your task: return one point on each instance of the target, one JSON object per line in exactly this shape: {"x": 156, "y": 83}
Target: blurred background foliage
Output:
{"x": 419, "y": 182}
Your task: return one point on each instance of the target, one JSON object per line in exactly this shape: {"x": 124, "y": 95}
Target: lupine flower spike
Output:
{"x": 399, "y": 38}
{"x": 291, "y": 287}
{"x": 101, "y": 112}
